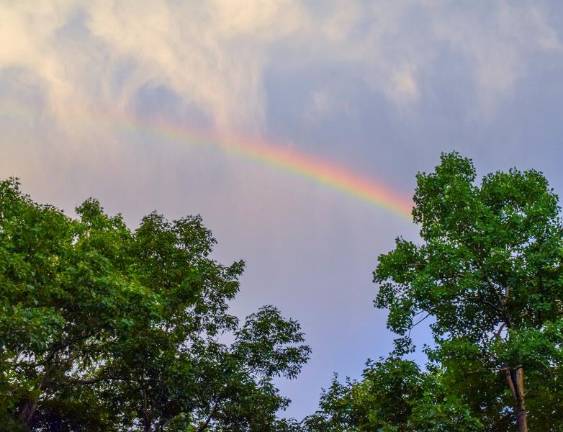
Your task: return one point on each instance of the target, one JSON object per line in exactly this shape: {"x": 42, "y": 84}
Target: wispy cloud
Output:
{"x": 214, "y": 54}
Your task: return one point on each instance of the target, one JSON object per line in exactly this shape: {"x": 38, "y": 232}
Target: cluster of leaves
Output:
{"x": 394, "y": 395}
{"x": 107, "y": 328}
{"x": 487, "y": 273}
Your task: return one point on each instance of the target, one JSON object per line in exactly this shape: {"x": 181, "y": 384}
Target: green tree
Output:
{"x": 107, "y": 328}
{"x": 488, "y": 272}
{"x": 381, "y": 400}
{"x": 394, "y": 395}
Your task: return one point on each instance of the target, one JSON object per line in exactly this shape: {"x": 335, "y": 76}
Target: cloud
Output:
{"x": 498, "y": 40}
{"x": 210, "y": 53}
{"x": 214, "y": 54}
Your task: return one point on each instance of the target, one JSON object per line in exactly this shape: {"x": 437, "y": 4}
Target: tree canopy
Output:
{"x": 107, "y": 328}
{"x": 487, "y": 274}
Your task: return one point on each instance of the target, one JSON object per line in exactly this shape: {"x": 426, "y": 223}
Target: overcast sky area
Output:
{"x": 380, "y": 88}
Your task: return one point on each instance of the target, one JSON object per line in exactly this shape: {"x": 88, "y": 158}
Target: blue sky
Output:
{"x": 379, "y": 87}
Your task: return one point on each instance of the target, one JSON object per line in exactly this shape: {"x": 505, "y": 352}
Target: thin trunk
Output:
{"x": 515, "y": 381}
{"x": 50, "y": 364}
{"x": 27, "y": 412}
{"x": 203, "y": 426}
{"x": 147, "y": 421}
{"x": 30, "y": 406}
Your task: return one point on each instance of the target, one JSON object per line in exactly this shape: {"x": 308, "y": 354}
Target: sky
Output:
{"x": 153, "y": 105}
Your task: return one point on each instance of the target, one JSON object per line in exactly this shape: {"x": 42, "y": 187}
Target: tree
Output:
{"x": 106, "y": 328}
{"x": 382, "y": 400}
{"x": 488, "y": 271}
{"x": 394, "y": 395}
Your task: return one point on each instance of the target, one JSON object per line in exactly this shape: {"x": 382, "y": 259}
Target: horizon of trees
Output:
{"x": 105, "y": 328}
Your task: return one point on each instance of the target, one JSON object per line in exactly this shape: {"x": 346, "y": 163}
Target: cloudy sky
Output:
{"x": 377, "y": 88}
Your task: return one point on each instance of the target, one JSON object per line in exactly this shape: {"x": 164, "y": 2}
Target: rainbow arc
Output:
{"x": 280, "y": 156}
{"x": 270, "y": 153}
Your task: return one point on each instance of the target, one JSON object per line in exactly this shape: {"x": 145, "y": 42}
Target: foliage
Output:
{"x": 394, "y": 395}
{"x": 487, "y": 272}
{"x": 107, "y": 328}
{"x": 383, "y": 399}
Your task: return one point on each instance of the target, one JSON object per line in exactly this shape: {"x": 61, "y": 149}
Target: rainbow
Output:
{"x": 280, "y": 156}
{"x": 269, "y": 153}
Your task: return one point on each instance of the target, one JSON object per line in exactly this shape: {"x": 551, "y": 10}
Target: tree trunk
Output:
{"x": 147, "y": 420}
{"x": 30, "y": 406}
{"x": 515, "y": 381}
{"x": 27, "y": 412}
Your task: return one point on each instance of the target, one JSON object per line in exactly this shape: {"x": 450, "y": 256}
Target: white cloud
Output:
{"x": 214, "y": 54}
